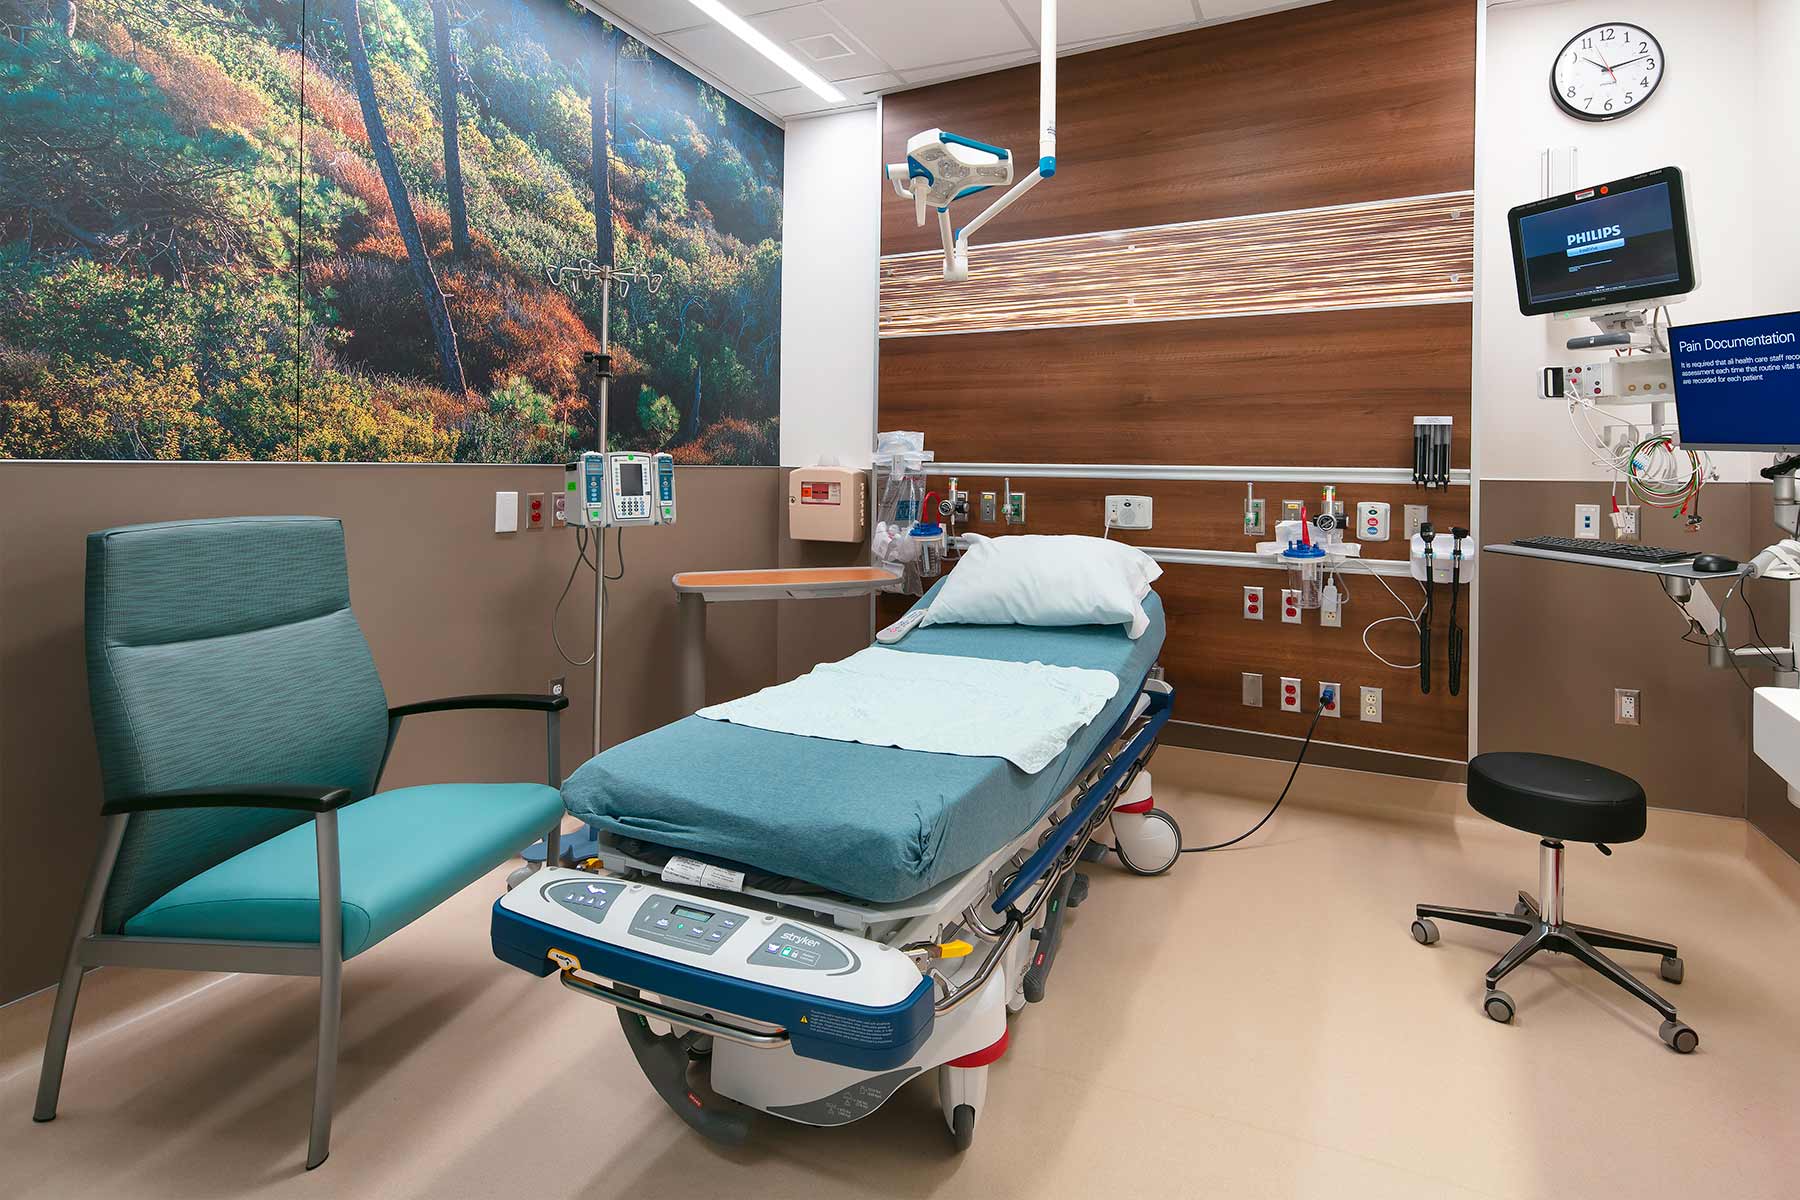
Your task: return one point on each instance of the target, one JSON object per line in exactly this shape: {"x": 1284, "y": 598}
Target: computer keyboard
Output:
{"x": 1620, "y": 551}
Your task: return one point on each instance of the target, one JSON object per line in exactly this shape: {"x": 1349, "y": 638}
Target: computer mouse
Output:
{"x": 1713, "y": 564}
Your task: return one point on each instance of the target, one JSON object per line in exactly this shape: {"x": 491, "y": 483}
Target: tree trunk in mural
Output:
{"x": 603, "y": 59}
{"x": 429, "y": 291}
{"x": 453, "y": 179}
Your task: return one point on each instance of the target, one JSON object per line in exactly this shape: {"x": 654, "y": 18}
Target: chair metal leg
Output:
{"x": 1606, "y": 939}
{"x": 1530, "y": 904}
{"x": 1573, "y": 943}
{"x": 1504, "y": 922}
{"x": 331, "y": 974}
{"x": 68, "y": 989}
{"x": 1539, "y": 938}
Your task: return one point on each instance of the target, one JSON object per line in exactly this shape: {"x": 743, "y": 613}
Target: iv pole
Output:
{"x": 602, "y": 363}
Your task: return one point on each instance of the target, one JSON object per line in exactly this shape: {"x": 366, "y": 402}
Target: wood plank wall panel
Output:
{"x": 1194, "y": 513}
{"x": 1264, "y": 116}
{"x": 1209, "y": 646}
{"x": 1337, "y": 388}
{"x": 1338, "y": 103}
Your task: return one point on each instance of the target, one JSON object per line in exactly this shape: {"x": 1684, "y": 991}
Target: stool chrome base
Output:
{"x": 1542, "y": 929}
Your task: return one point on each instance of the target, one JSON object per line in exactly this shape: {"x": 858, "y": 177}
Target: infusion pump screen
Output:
{"x": 631, "y": 479}
{"x": 1624, "y": 242}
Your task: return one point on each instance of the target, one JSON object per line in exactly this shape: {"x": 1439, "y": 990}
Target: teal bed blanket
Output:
{"x": 873, "y": 822}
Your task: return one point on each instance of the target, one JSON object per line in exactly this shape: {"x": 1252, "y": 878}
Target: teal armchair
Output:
{"x": 242, "y": 732}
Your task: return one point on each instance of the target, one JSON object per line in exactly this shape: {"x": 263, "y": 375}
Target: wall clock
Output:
{"x": 1607, "y": 72}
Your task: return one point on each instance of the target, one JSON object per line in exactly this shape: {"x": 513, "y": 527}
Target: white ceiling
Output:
{"x": 868, "y": 47}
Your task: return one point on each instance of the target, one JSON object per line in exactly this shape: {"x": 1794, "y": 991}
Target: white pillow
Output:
{"x": 1035, "y": 579}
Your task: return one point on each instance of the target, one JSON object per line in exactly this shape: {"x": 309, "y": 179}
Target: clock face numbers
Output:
{"x": 1607, "y": 71}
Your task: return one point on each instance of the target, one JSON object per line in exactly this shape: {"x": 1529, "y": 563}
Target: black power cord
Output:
{"x": 1298, "y": 759}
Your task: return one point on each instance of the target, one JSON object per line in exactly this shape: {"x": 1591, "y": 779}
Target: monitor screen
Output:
{"x": 631, "y": 479}
{"x": 1614, "y": 244}
{"x": 1737, "y": 383}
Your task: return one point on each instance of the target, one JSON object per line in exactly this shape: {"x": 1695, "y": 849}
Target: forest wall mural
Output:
{"x": 357, "y": 230}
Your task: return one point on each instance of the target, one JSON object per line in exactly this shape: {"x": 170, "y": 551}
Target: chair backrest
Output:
{"x": 223, "y": 652}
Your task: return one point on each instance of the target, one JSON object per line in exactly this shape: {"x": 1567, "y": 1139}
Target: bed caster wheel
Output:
{"x": 1425, "y": 931}
{"x": 962, "y": 1126}
{"x": 1520, "y": 910}
{"x": 1680, "y": 1038}
{"x": 1148, "y": 845}
{"x": 1498, "y": 1006}
{"x": 1672, "y": 969}
{"x": 519, "y": 875}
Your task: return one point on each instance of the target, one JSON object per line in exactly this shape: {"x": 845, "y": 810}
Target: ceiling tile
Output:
{"x": 1110, "y": 20}
{"x": 654, "y": 17}
{"x": 716, "y": 49}
{"x": 807, "y": 30}
{"x": 799, "y": 101}
{"x": 910, "y": 34}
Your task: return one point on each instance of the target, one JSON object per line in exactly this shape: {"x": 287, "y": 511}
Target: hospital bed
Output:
{"x": 875, "y": 912}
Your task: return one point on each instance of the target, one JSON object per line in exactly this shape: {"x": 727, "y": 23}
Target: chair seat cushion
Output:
{"x": 1559, "y": 798}
{"x": 401, "y": 852}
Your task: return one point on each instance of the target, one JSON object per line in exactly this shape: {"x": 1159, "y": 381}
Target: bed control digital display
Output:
{"x": 667, "y": 920}
{"x": 591, "y": 900}
{"x": 798, "y": 949}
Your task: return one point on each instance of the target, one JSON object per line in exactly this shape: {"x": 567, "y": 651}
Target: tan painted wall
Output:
{"x": 448, "y": 606}
{"x": 1555, "y": 640}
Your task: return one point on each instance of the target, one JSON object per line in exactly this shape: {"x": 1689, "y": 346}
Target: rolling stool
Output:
{"x": 1558, "y": 799}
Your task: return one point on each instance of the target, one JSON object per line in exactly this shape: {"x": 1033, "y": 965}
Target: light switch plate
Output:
{"x": 506, "y": 512}
{"x": 1252, "y": 690}
{"x": 1416, "y": 515}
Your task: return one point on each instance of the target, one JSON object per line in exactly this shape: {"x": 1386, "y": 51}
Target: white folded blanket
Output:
{"x": 977, "y": 707}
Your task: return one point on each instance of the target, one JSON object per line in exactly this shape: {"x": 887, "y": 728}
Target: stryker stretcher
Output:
{"x": 894, "y": 905}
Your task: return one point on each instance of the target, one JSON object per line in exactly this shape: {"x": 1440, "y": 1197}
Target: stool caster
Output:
{"x": 1424, "y": 931}
{"x": 1680, "y": 1038}
{"x": 1672, "y": 969}
{"x": 1499, "y": 1007}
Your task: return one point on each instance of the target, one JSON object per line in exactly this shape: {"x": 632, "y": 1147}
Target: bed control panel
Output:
{"x": 679, "y": 921}
{"x": 588, "y": 898}
{"x": 609, "y": 923}
{"x": 792, "y": 948}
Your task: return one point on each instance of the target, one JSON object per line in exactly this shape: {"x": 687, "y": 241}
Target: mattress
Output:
{"x": 874, "y": 822}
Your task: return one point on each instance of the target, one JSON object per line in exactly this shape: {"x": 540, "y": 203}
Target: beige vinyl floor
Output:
{"x": 1256, "y": 1024}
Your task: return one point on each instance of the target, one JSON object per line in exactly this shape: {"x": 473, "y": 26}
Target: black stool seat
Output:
{"x": 1558, "y": 798}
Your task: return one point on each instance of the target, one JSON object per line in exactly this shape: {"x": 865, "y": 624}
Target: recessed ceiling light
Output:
{"x": 768, "y": 49}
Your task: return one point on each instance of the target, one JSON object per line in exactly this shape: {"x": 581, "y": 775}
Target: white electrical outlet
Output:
{"x": 1128, "y": 512}
{"x": 1290, "y": 606}
{"x": 1331, "y": 607}
{"x": 1625, "y": 523}
{"x": 1290, "y": 694}
{"x": 1253, "y": 604}
{"x": 1628, "y": 706}
{"x": 1335, "y": 707}
{"x": 1587, "y": 520}
{"x": 1371, "y": 705}
{"x": 1252, "y": 690}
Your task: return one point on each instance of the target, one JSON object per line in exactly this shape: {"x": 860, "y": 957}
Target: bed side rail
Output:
{"x": 1161, "y": 705}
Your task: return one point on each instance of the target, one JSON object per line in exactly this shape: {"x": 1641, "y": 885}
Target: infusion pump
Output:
{"x": 622, "y": 488}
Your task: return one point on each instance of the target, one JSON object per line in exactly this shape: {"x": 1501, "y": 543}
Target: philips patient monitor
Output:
{"x": 1737, "y": 384}
{"x": 1615, "y": 246}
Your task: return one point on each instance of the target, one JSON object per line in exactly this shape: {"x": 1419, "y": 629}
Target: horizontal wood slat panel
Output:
{"x": 1196, "y": 514}
{"x": 1292, "y": 110}
{"x": 1418, "y": 250}
{"x": 1209, "y": 646}
{"x": 1291, "y": 390}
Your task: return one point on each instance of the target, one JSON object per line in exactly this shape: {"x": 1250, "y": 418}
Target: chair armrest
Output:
{"x": 510, "y": 700}
{"x": 297, "y": 797}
